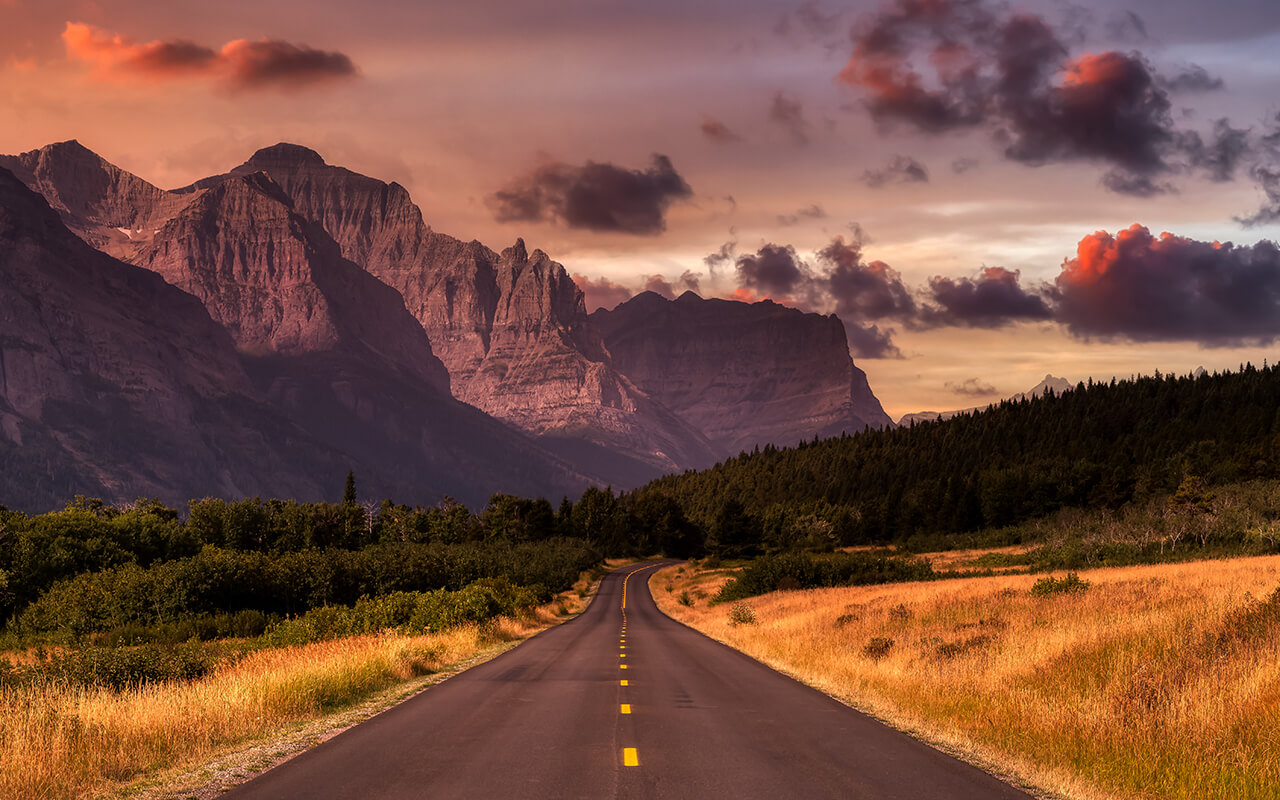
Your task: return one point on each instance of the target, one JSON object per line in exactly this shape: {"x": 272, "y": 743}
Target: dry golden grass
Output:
{"x": 60, "y": 742}
{"x": 1157, "y": 682}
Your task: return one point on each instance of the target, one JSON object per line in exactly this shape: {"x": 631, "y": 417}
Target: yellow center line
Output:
{"x": 626, "y": 708}
{"x": 629, "y": 757}
{"x": 623, "y": 682}
{"x": 622, "y": 666}
{"x": 624, "y": 587}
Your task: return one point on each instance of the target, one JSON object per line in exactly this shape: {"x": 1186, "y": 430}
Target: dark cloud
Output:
{"x": 240, "y": 64}
{"x": 972, "y": 387}
{"x": 691, "y": 280}
{"x": 870, "y": 341}
{"x": 814, "y": 211}
{"x": 720, "y": 258}
{"x": 863, "y": 290}
{"x": 1192, "y": 78}
{"x": 962, "y": 165}
{"x": 1169, "y": 288}
{"x": 718, "y": 132}
{"x": 1011, "y": 74}
{"x": 1222, "y": 155}
{"x": 1134, "y": 184}
{"x": 602, "y": 292}
{"x": 597, "y": 197}
{"x": 789, "y": 114}
{"x": 1268, "y": 179}
{"x": 268, "y": 62}
{"x": 775, "y": 271}
{"x": 993, "y": 299}
{"x": 657, "y": 284}
{"x": 901, "y": 169}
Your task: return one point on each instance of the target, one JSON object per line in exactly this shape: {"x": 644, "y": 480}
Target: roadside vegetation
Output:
{"x": 1158, "y": 681}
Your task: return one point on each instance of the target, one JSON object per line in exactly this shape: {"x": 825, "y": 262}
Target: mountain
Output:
{"x": 746, "y": 374}
{"x": 511, "y": 327}
{"x": 114, "y": 383}
{"x": 1057, "y": 385}
{"x": 336, "y": 350}
{"x": 111, "y": 209}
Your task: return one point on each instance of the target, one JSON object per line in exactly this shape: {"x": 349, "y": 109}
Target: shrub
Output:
{"x": 878, "y": 647}
{"x": 801, "y": 571}
{"x": 741, "y": 613}
{"x": 685, "y": 599}
{"x": 900, "y": 613}
{"x": 1071, "y": 584}
{"x": 845, "y": 619}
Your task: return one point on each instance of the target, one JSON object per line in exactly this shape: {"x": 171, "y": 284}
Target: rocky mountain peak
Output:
{"x": 285, "y": 155}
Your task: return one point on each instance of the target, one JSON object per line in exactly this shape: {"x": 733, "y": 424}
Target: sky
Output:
{"x": 984, "y": 192}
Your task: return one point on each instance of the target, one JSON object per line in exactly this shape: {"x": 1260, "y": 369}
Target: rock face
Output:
{"x": 511, "y": 328}
{"x": 116, "y": 384}
{"x": 745, "y": 374}
{"x": 109, "y": 208}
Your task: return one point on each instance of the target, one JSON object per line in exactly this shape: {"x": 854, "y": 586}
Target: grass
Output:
{"x": 64, "y": 741}
{"x": 1157, "y": 682}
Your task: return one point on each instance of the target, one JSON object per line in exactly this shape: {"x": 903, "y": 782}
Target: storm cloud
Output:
{"x": 240, "y": 65}
{"x": 1012, "y": 75}
{"x": 596, "y": 197}
{"x": 1140, "y": 287}
{"x": 993, "y": 299}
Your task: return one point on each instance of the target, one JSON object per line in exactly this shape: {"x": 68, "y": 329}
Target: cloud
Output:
{"x": 1134, "y": 185}
{"x": 718, "y": 132}
{"x": 1224, "y": 153}
{"x": 789, "y": 114}
{"x": 1268, "y": 178}
{"x": 863, "y": 290}
{"x": 238, "y": 65}
{"x": 774, "y": 271}
{"x": 720, "y": 258}
{"x": 863, "y": 294}
{"x": 901, "y": 169}
{"x": 1192, "y": 78}
{"x": 964, "y": 164}
{"x": 658, "y": 284}
{"x": 596, "y": 197}
{"x": 814, "y": 211}
{"x": 993, "y": 299}
{"x": 601, "y": 292}
{"x": 972, "y": 387}
{"x": 1011, "y": 74}
{"x": 1169, "y": 288}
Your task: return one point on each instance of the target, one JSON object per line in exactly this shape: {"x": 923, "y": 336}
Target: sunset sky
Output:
{"x": 938, "y": 172}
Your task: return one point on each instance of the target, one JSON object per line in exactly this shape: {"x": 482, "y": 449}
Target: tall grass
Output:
{"x": 59, "y": 740}
{"x": 1151, "y": 682}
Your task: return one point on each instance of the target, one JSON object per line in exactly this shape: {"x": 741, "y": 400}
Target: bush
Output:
{"x": 878, "y": 647}
{"x": 741, "y": 613}
{"x": 800, "y": 571}
{"x": 1071, "y": 584}
{"x": 685, "y": 599}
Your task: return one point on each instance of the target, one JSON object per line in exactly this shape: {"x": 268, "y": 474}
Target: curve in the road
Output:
{"x": 623, "y": 702}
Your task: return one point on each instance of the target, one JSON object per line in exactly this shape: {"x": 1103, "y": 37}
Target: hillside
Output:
{"x": 1101, "y": 445}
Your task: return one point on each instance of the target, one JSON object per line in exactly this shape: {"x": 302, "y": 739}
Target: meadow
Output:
{"x": 1158, "y": 681}
{"x": 67, "y": 740}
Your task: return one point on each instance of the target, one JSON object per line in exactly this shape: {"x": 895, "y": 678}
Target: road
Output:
{"x": 622, "y": 703}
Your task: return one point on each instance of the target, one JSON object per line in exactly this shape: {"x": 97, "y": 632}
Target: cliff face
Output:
{"x": 283, "y": 367}
{"x": 113, "y": 210}
{"x": 511, "y": 328}
{"x": 114, "y": 383}
{"x": 745, "y": 374}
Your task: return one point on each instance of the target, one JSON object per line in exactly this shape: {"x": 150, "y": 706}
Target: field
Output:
{"x": 59, "y": 741}
{"x": 1150, "y": 682}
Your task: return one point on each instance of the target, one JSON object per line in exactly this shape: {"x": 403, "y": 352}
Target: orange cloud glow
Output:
{"x": 239, "y": 64}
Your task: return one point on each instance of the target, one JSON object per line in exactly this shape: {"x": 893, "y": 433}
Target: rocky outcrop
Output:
{"x": 114, "y": 383}
{"x": 745, "y": 374}
{"x": 113, "y": 210}
{"x": 511, "y": 328}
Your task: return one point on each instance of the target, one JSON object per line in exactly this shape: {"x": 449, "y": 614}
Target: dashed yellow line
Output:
{"x": 622, "y": 666}
{"x": 629, "y": 757}
{"x": 623, "y": 682}
{"x": 626, "y": 708}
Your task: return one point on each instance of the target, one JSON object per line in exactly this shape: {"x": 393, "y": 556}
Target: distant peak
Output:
{"x": 286, "y": 155}
{"x": 689, "y": 296}
{"x": 71, "y": 148}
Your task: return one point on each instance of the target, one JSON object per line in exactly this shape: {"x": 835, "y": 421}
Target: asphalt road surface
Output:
{"x": 622, "y": 702}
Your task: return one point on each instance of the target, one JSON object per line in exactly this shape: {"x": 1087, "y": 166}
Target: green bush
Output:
{"x": 741, "y": 613}
{"x": 1071, "y": 584}
{"x": 801, "y": 571}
